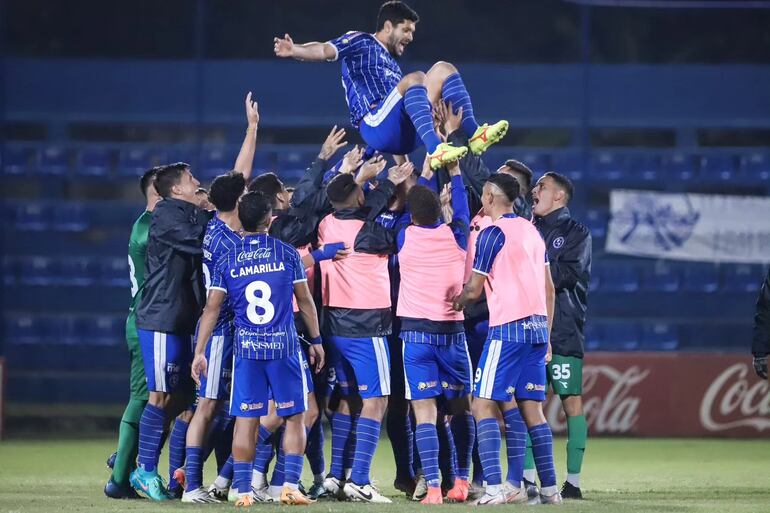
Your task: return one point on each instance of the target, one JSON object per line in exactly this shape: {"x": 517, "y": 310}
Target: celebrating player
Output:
{"x": 393, "y": 112}
{"x": 260, "y": 277}
{"x": 511, "y": 267}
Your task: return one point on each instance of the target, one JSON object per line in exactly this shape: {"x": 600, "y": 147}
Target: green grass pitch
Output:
{"x": 619, "y": 475}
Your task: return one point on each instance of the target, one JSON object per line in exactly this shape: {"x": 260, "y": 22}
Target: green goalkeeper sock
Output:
{"x": 577, "y": 433}
{"x": 530, "y": 474}
{"x": 128, "y": 441}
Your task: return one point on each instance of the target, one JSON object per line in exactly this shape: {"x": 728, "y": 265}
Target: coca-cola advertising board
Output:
{"x": 671, "y": 394}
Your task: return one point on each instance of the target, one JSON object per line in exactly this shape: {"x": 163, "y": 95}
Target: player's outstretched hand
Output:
{"x": 397, "y": 174}
{"x": 199, "y": 368}
{"x": 283, "y": 47}
{"x": 371, "y": 168}
{"x": 317, "y": 357}
{"x": 352, "y": 160}
{"x": 252, "y": 111}
{"x": 334, "y": 141}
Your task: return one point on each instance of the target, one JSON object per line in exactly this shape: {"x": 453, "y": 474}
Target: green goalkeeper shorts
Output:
{"x": 565, "y": 374}
{"x": 138, "y": 380}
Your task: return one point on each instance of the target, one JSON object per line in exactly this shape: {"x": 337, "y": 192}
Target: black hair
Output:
{"x": 506, "y": 183}
{"x": 562, "y": 182}
{"x": 521, "y": 168}
{"x": 340, "y": 188}
{"x": 226, "y": 189}
{"x": 253, "y": 209}
{"x": 395, "y": 12}
{"x": 268, "y": 184}
{"x": 147, "y": 179}
{"x": 169, "y": 176}
{"x": 424, "y": 204}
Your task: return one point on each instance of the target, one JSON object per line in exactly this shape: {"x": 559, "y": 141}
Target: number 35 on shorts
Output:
{"x": 565, "y": 374}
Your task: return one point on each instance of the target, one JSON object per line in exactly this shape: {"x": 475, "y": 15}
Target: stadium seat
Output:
{"x": 659, "y": 337}
{"x": 618, "y": 276}
{"x": 569, "y": 164}
{"x": 701, "y": 278}
{"x": 32, "y": 217}
{"x": 662, "y": 276}
{"x": 70, "y": 217}
{"x": 94, "y": 162}
{"x": 755, "y": 168}
{"x": 133, "y": 162}
{"x": 78, "y": 272}
{"x": 678, "y": 166}
{"x": 40, "y": 271}
{"x": 741, "y": 278}
{"x": 19, "y": 160}
{"x": 54, "y": 161}
{"x": 620, "y": 336}
{"x": 718, "y": 168}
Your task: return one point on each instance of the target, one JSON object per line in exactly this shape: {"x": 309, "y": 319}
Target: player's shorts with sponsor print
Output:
{"x": 167, "y": 361}
{"x": 361, "y": 365}
{"x": 565, "y": 375}
{"x": 219, "y": 366}
{"x": 255, "y": 382}
{"x": 388, "y": 128}
{"x": 512, "y": 364}
{"x": 433, "y": 370}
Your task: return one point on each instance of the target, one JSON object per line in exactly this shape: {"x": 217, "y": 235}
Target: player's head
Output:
{"x": 146, "y": 184}
{"x": 226, "y": 189}
{"x": 271, "y": 186}
{"x": 176, "y": 181}
{"x": 396, "y": 23}
{"x": 255, "y": 211}
{"x": 499, "y": 193}
{"x": 424, "y": 205}
{"x": 344, "y": 192}
{"x": 551, "y": 192}
{"x": 520, "y": 172}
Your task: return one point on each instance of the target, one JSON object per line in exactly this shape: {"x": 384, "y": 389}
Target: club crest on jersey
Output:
{"x": 558, "y": 242}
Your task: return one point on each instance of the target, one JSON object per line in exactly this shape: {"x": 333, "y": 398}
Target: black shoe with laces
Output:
{"x": 569, "y": 491}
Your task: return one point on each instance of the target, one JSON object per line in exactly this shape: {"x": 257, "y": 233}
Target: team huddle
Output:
{"x": 257, "y": 310}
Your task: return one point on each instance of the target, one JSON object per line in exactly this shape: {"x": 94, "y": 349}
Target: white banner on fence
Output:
{"x": 681, "y": 226}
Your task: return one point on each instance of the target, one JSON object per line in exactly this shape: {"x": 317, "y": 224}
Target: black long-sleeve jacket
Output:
{"x": 761, "y": 344}
{"x": 174, "y": 292}
{"x": 568, "y": 244}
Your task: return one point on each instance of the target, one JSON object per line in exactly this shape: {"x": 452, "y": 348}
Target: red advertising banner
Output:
{"x": 671, "y": 394}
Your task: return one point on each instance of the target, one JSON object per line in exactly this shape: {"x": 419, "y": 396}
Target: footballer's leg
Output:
{"x": 443, "y": 81}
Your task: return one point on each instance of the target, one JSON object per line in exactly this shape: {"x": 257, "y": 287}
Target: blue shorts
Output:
{"x": 388, "y": 128}
{"x": 254, "y": 381}
{"x": 167, "y": 360}
{"x": 361, "y": 364}
{"x": 431, "y": 370}
{"x": 508, "y": 370}
{"x": 219, "y": 357}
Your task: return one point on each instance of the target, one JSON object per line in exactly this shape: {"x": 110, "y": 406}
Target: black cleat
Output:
{"x": 569, "y": 491}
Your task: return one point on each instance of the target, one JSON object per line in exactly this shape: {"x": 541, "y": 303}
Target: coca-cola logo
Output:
{"x": 731, "y": 395}
{"x": 615, "y": 410}
{"x": 253, "y": 255}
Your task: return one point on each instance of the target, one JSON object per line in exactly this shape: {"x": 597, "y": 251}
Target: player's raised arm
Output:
{"x": 245, "y": 160}
{"x": 313, "y": 52}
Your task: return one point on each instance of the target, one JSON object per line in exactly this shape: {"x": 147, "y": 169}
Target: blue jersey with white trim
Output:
{"x": 258, "y": 277}
{"x": 219, "y": 239}
{"x": 369, "y": 72}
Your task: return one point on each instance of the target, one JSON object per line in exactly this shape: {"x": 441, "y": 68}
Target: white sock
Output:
{"x": 318, "y": 479}
{"x": 574, "y": 480}
{"x": 547, "y": 491}
{"x": 530, "y": 475}
{"x": 293, "y": 486}
{"x": 221, "y": 482}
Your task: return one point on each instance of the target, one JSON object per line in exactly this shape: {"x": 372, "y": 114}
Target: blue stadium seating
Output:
{"x": 94, "y": 162}
{"x": 659, "y": 336}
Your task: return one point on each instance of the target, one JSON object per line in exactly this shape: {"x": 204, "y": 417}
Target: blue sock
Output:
{"x": 516, "y": 445}
{"x": 367, "y": 437}
{"x": 488, "y": 434}
{"x": 279, "y": 471}
{"x": 264, "y": 452}
{"x": 176, "y": 445}
{"x": 314, "y": 450}
{"x": 542, "y": 450}
{"x": 447, "y": 454}
{"x": 193, "y": 468}
{"x": 427, "y": 445}
{"x": 420, "y": 111}
{"x": 464, "y": 431}
{"x": 227, "y": 469}
{"x": 292, "y": 470}
{"x": 401, "y": 439}
{"x": 341, "y": 425}
{"x": 454, "y": 91}
{"x": 150, "y": 437}
{"x": 242, "y": 479}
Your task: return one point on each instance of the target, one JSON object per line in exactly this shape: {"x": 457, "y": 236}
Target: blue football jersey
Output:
{"x": 218, "y": 241}
{"x": 258, "y": 277}
{"x": 369, "y": 72}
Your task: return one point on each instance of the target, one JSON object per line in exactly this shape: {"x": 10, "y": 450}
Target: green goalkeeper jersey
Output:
{"x": 137, "y": 252}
